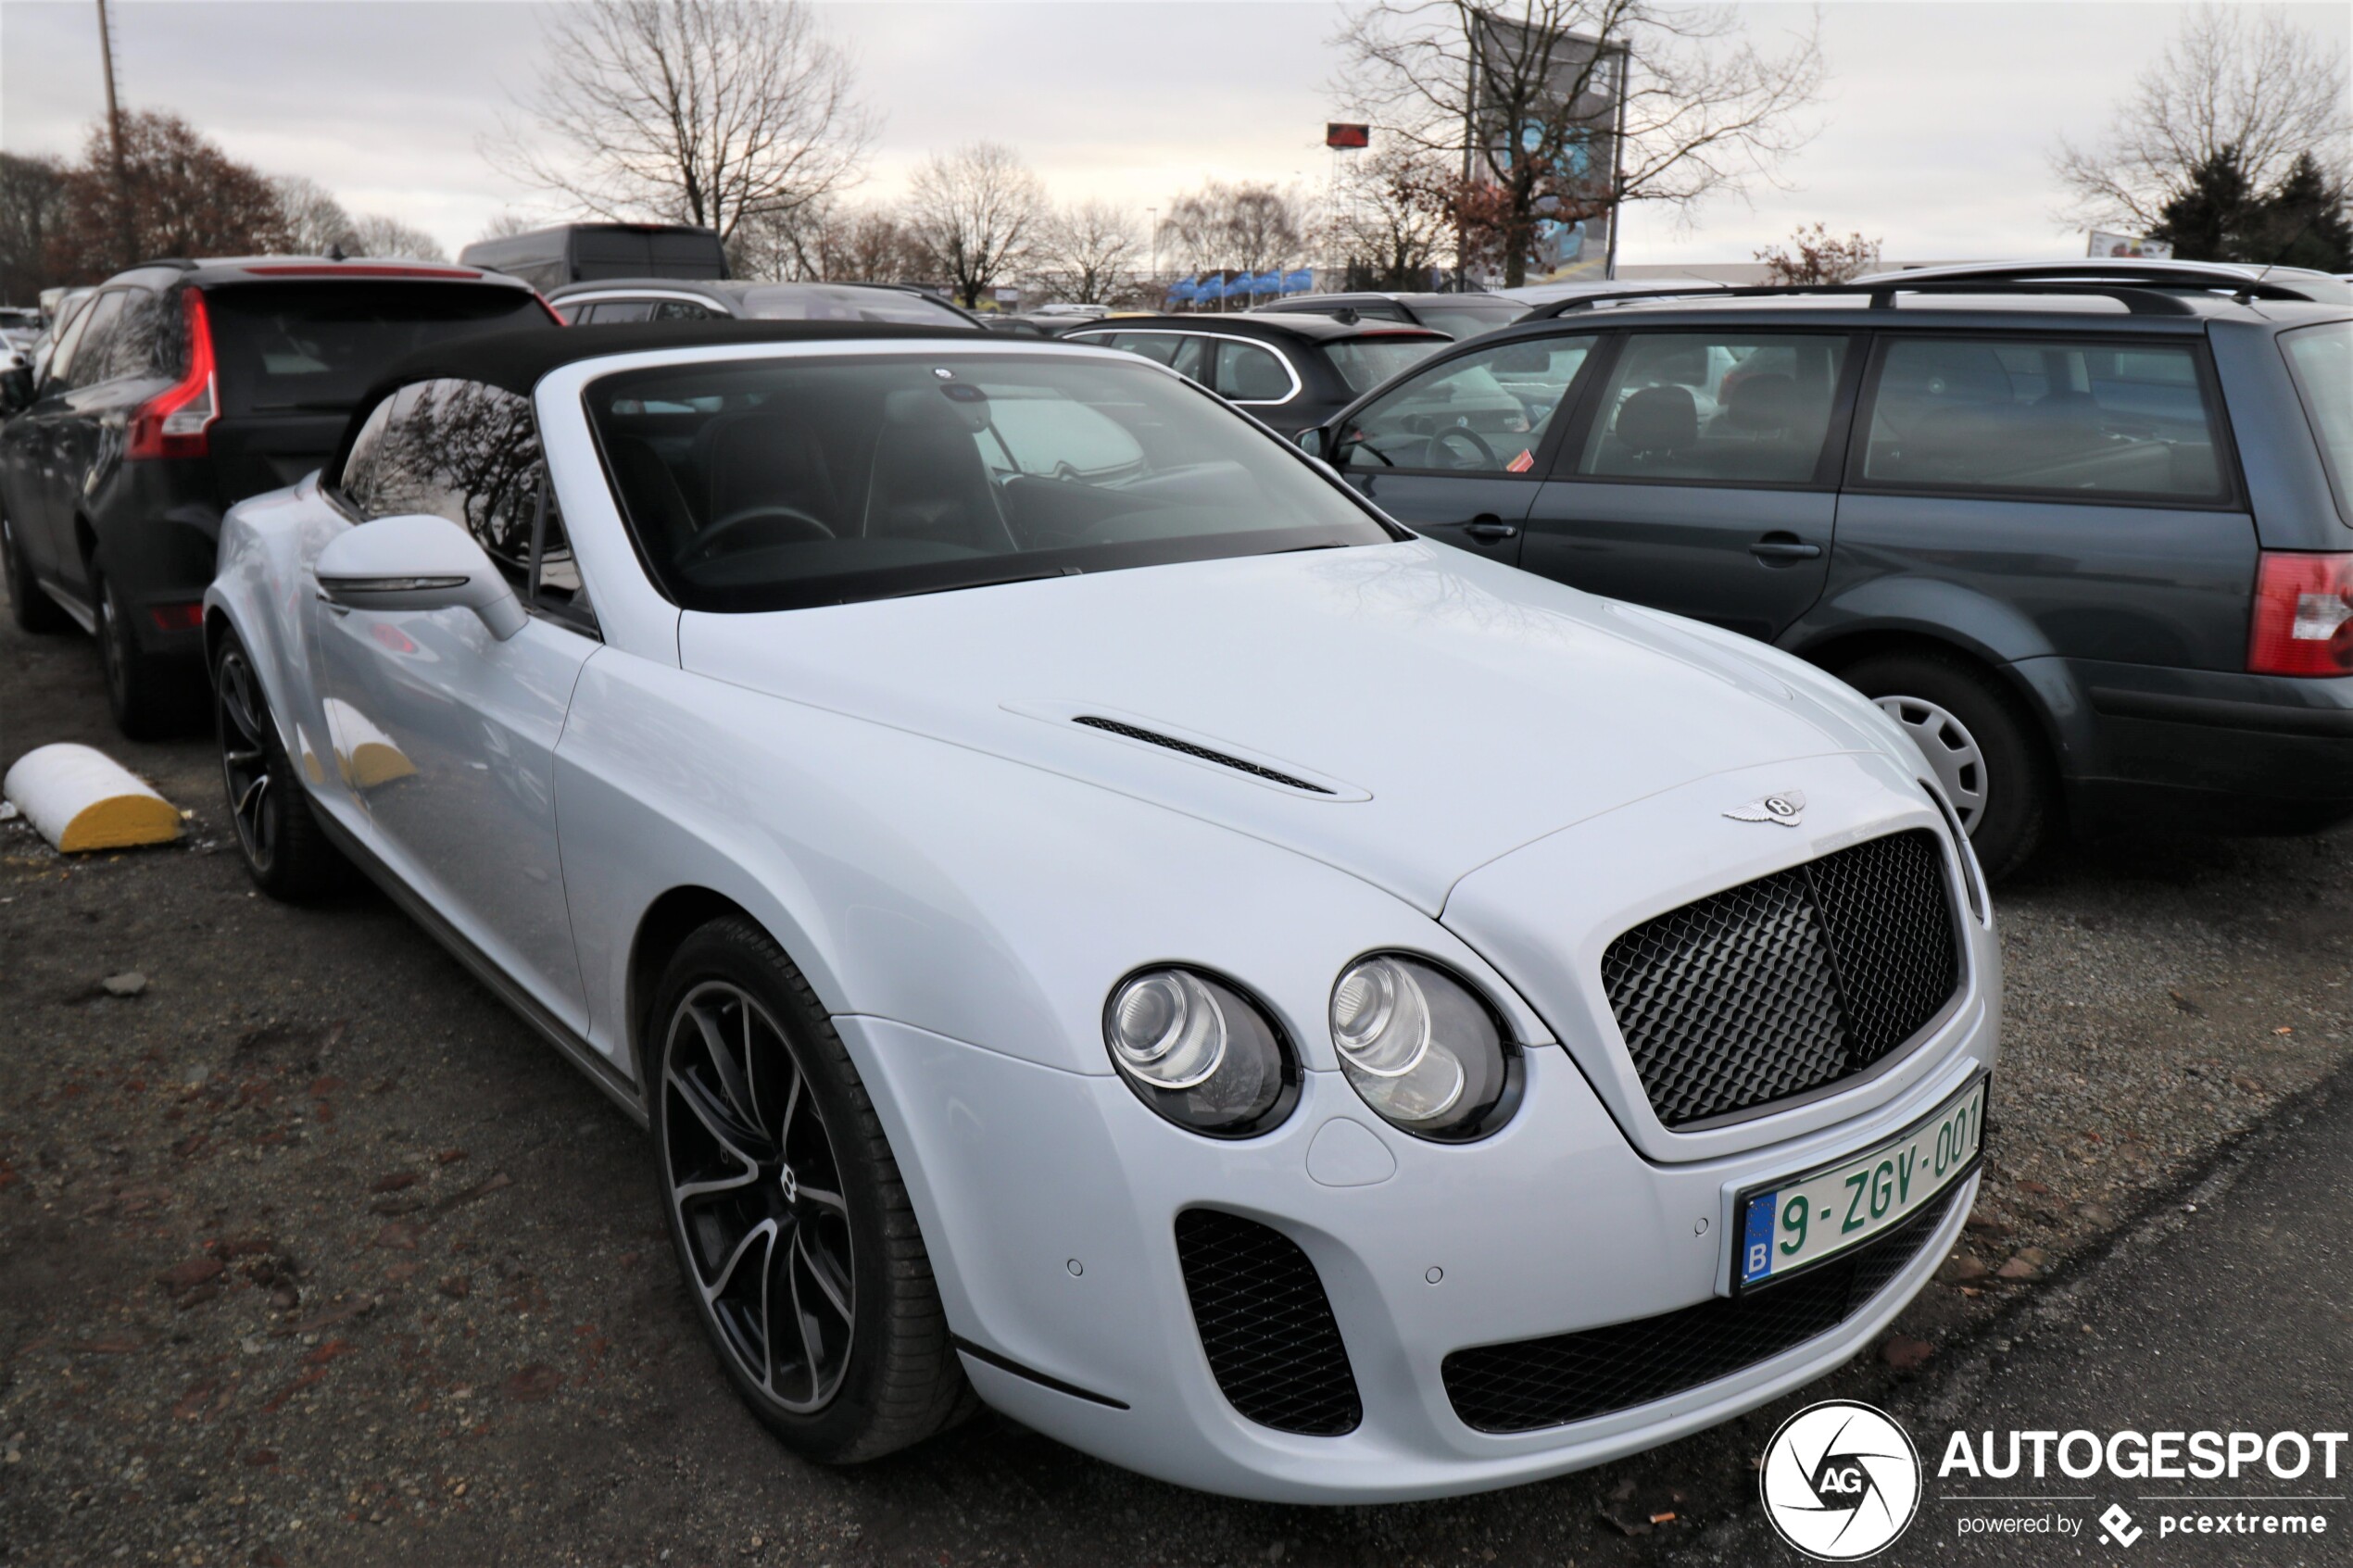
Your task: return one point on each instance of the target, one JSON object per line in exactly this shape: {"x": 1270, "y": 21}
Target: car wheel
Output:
{"x": 150, "y": 698}
{"x": 34, "y": 610}
{"x": 285, "y": 850}
{"x": 791, "y": 1224}
{"x": 1981, "y": 747}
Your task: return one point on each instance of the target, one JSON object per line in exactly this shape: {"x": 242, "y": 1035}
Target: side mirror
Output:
{"x": 418, "y": 562}
{"x": 16, "y": 387}
{"x": 1314, "y": 441}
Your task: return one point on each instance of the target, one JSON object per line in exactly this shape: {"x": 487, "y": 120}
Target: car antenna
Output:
{"x": 335, "y": 251}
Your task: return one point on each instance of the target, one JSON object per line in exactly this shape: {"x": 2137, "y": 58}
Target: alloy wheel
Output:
{"x": 1953, "y": 754}
{"x": 247, "y": 766}
{"x": 111, "y": 653}
{"x": 755, "y": 1192}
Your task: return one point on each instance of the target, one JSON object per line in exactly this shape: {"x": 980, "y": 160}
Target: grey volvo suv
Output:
{"x": 2090, "y": 541}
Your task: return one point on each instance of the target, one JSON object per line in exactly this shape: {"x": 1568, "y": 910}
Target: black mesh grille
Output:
{"x": 1265, "y": 1324}
{"x": 1188, "y": 748}
{"x": 1576, "y": 1376}
{"x": 1787, "y": 983}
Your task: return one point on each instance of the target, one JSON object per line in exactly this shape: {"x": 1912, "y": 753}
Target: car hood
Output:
{"x": 1405, "y": 712}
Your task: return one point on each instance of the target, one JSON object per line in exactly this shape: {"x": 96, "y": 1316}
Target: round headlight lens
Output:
{"x": 1421, "y": 1048}
{"x": 1199, "y": 1053}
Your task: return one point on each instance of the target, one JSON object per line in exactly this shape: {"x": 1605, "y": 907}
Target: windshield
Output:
{"x": 2322, "y": 360}
{"x": 820, "y": 302}
{"x": 764, "y": 484}
{"x": 315, "y": 347}
{"x": 1366, "y": 362}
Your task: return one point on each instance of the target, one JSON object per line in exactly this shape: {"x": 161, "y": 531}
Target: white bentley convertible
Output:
{"x": 1100, "y": 921}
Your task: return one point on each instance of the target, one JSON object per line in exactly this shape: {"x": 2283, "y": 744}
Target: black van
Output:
{"x": 179, "y": 389}
{"x": 576, "y": 252}
{"x": 2088, "y": 540}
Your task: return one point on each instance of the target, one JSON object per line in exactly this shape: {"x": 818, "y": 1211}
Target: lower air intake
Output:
{"x": 1266, "y": 1326}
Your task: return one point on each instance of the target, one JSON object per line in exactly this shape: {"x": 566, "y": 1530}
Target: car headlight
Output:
{"x": 1197, "y": 1050}
{"x": 1422, "y": 1049}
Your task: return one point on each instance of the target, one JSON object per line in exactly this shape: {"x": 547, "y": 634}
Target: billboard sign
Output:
{"x": 1560, "y": 106}
{"x": 2110, "y": 246}
{"x": 1347, "y": 138}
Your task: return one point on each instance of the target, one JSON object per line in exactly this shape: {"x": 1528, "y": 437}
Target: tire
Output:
{"x": 151, "y": 698}
{"x": 285, "y": 850}
{"x": 32, "y": 609}
{"x": 742, "y": 1168}
{"x": 1981, "y": 746}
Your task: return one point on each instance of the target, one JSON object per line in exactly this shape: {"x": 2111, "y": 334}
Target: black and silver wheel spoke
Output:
{"x": 757, "y": 1194}
{"x": 244, "y": 759}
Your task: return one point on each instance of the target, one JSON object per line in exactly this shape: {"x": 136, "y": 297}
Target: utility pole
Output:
{"x": 125, "y": 236}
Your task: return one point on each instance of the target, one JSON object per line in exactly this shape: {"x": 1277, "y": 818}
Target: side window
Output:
{"x": 2082, "y": 416}
{"x": 1484, "y": 412}
{"x": 360, "y": 466}
{"x": 554, "y": 583}
{"x": 58, "y": 374}
{"x": 613, "y": 311}
{"x": 1151, "y": 345}
{"x": 1249, "y": 373}
{"x": 151, "y": 341}
{"x": 1731, "y": 408}
{"x": 681, "y": 310}
{"x": 84, "y": 361}
{"x": 464, "y": 451}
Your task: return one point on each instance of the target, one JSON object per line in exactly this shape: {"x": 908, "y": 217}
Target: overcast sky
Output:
{"x": 1934, "y": 133}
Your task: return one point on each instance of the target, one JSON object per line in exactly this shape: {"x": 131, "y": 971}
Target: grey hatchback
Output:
{"x": 2090, "y": 542}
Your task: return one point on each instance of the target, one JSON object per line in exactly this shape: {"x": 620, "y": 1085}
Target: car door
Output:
{"x": 1703, "y": 479}
{"x": 1459, "y": 450}
{"x": 446, "y": 735}
{"x": 62, "y": 440}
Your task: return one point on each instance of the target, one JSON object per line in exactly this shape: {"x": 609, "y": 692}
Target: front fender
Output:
{"x": 260, "y": 586}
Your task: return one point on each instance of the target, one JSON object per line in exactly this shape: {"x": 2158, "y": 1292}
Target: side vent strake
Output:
{"x": 1202, "y": 752}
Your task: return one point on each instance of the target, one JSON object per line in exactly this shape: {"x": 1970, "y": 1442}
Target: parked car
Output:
{"x": 659, "y": 299}
{"x": 19, "y": 326}
{"x": 1553, "y": 299}
{"x": 1096, "y": 919}
{"x": 2086, "y": 541}
{"x": 1457, "y": 314}
{"x": 571, "y": 253}
{"x": 1291, "y": 371}
{"x": 177, "y": 389}
{"x": 2223, "y": 277}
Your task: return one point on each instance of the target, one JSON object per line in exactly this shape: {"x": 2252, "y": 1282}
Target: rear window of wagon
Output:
{"x": 2321, "y": 359}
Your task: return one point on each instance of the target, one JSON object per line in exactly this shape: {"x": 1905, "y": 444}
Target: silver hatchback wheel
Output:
{"x": 757, "y": 1192}
{"x": 1953, "y": 754}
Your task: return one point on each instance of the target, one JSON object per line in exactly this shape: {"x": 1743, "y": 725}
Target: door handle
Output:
{"x": 1784, "y": 548}
{"x": 1491, "y": 530}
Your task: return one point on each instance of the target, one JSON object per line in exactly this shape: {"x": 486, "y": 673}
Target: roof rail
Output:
{"x": 178, "y": 262}
{"x": 2141, "y": 299}
{"x": 2128, "y": 271}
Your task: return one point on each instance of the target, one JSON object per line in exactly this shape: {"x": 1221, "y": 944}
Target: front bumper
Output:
{"x": 1048, "y": 1199}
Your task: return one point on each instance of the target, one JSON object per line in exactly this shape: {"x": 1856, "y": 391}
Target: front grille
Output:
{"x": 1537, "y": 1383}
{"x": 1265, "y": 1324}
{"x": 1787, "y": 983}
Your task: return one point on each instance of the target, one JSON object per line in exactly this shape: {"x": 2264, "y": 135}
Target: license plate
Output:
{"x": 1809, "y": 1219}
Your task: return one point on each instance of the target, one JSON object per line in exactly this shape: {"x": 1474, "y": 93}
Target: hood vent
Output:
{"x": 1202, "y": 752}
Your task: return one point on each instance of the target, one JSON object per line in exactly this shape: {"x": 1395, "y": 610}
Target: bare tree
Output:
{"x": 33, "y": 217}
{"x": 1394, "y": 214}
{"x": 699, "y": 111}
{"x": 1573, "y": 109}
{"x": 974, "y": 214}
{"x": 185, "y": 196}
{"x": 509, "y": 221}
{"x": 1085, "y": 251}
{"x": 316, "y": 222}
{"x": 1816, "y": 258}
{"x": 1253, "y": 227}
{"x": 2236, "y": 79}
{"x": 375, "y": 234}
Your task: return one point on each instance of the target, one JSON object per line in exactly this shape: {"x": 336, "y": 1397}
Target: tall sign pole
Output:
{"x": 124, "y": 233}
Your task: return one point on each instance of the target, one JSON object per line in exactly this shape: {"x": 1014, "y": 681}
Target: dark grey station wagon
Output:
{"x": 2090, "y": 541}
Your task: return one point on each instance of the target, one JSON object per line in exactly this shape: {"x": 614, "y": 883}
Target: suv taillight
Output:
{"x": 173, "y": 423}
{"x": 2303, "y": 615}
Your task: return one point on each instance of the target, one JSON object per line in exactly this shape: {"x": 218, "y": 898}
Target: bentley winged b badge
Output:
{"x": 1786, "y": 808}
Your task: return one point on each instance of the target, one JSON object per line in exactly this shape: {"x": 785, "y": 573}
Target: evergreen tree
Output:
{"x": 2304, "y": 221}
{"x": 2217, "y": 213}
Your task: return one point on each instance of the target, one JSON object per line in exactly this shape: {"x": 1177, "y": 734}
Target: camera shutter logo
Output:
{"x": 1841, "y": 1481}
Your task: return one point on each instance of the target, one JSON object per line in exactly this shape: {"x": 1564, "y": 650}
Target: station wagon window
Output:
{"x": 1250, "y": 373}
{"x": 2321, "y": 359}
{"x": 2080, "y": 417}
{"x": 1185, "y": 353}
{"x": 1483, "y": 412}
{"x": 1366, "y": 362}
{"x": 1736, "y": 408}
{"x": 82, "y": 360}
{"x": 779, "y": 483}
{"x": 457, "y": 449}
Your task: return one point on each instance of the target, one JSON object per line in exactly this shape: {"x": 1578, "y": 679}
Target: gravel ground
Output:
{"x": 309, "y": 1253}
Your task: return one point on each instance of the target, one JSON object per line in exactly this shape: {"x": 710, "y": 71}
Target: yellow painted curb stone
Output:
{"x": 82, "y": 799}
